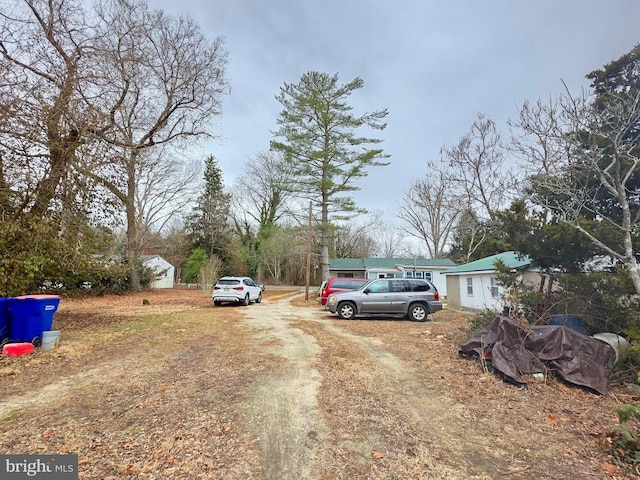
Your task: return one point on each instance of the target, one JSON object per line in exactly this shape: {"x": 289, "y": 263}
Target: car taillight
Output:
{"x": 239, "y": 289}
{"x": 436, "y": 295}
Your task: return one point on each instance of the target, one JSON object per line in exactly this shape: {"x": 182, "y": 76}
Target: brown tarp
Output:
{"x": 516, "y": 350}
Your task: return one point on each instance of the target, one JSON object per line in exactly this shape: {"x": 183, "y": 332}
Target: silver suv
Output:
{"x": 414, "y": 298}
{"x": 242, "y": 290}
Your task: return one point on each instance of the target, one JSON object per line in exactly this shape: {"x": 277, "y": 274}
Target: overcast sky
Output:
{"x": 433, "y": 64}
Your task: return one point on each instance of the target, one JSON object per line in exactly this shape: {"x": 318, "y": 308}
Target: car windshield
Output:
{"x": 228, "y": 281}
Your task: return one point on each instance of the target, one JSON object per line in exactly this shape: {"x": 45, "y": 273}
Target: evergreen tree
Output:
{"x": 208, "y": 224}
{"x": 317, "y": 135}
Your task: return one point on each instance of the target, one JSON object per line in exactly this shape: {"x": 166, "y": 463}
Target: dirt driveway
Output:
{"x": 178, "y": 389}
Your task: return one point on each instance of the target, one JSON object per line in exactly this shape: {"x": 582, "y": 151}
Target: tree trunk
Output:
{"x": 634, "y": 273}
{"x": 324, "y": 239}
{"x": 132, "y": 241}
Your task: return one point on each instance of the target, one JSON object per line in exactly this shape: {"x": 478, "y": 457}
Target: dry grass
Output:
{"x": 164, "y": 391}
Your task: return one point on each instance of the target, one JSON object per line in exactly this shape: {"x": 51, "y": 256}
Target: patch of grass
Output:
{"x": 13, "y": 415}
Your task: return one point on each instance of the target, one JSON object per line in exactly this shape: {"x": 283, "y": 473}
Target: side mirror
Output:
{"x": 366, "y": 290}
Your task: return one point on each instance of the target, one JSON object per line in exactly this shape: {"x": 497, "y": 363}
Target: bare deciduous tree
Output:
{"x": 389, "y": 239}
{"x": 263, "y": 188}
{"x": 538, "y": 137}
{"x": 353, "y": 240}
{"x": 165, "y": 186}
{"x": 127, "y": 78}
{"x": 165, "y": 95}
{"x": 476, "y": 174}
{"x": 430, "y": 210}
{"x": 46, "y": 48}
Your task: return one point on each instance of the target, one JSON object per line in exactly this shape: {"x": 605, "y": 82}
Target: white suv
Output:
{"x": 242, "y": 290}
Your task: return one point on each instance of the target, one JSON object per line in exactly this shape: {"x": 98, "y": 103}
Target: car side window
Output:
{"x": 419, "y": 286}
{"x": 399, "y": 286}
{"x": 340, "y": 284}
{"x": 381, "y": 286}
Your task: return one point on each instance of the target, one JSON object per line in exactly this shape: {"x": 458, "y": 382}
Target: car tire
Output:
{"x": 418, "y": 312}
{"x": 246, "y": 300}
{"x": 259, "y": 299}
{"x": 346, "y": 311}
{"x": 217, "y": 303}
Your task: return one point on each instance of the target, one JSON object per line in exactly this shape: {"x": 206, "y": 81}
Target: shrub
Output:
{"x": 36, "y": 258}
{"x": 625, "y": 441}
{"x": 481, "y": 321}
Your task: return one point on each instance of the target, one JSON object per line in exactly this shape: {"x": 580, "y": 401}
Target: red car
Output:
{"x": 335, "y": 285}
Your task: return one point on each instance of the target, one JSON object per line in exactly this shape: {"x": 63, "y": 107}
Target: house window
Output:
{"x": 495, "y": 293}
{"x": 428, "y": 276}
{"x": 345, "y": 275}
{"x": 418, "y": 274}
{"x": 409, "y": 274}
{"x": 469, "y": 286}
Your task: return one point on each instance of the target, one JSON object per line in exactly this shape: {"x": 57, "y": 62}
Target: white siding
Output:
{"x": 481, "y": 299}
{"x": 160, "y": 265}
{"x": 440, "y": 281}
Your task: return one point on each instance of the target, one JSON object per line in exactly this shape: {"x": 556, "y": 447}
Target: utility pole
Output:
{"x": 308, "y": 275}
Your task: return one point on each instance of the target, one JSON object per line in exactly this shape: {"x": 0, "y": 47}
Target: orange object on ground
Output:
{"x": 17, "y": 349}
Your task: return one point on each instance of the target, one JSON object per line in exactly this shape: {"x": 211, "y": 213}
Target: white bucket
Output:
{"x": 50, "y": 339}
{"x": 617, "y": 342}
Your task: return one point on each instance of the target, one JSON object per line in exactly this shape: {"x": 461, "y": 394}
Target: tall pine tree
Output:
{"x": 317, "y": 135}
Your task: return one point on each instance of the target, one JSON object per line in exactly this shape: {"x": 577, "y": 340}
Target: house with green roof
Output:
{"x": 473, "y": 286}
{"x": 373, "y": 268}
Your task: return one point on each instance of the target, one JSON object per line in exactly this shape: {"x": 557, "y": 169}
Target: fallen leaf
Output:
{"x": 376, "y": 454}
{"x": 608, "y": 468}
{"x": 163, "y": 388}
{"x": 573, "y": 453}
{"x": 49, "y": 434}
{"x": 552, "y": 419}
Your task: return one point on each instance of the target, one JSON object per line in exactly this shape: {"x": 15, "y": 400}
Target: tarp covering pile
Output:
{"x": 516, "y": 350}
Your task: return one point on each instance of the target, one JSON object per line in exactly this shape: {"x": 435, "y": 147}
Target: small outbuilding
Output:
{"x": 163, "y": 270}
{"x": 474, "y": 285}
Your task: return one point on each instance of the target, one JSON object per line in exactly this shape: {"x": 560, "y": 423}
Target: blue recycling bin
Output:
{"x": 569, "y": 321}
{"x": 5, "y": 320}
{"x": 30, "y": 316}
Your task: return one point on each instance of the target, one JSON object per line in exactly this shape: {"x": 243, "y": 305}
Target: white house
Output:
{"x": 164, "y": 270}
{"x": 473, "y": 286}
